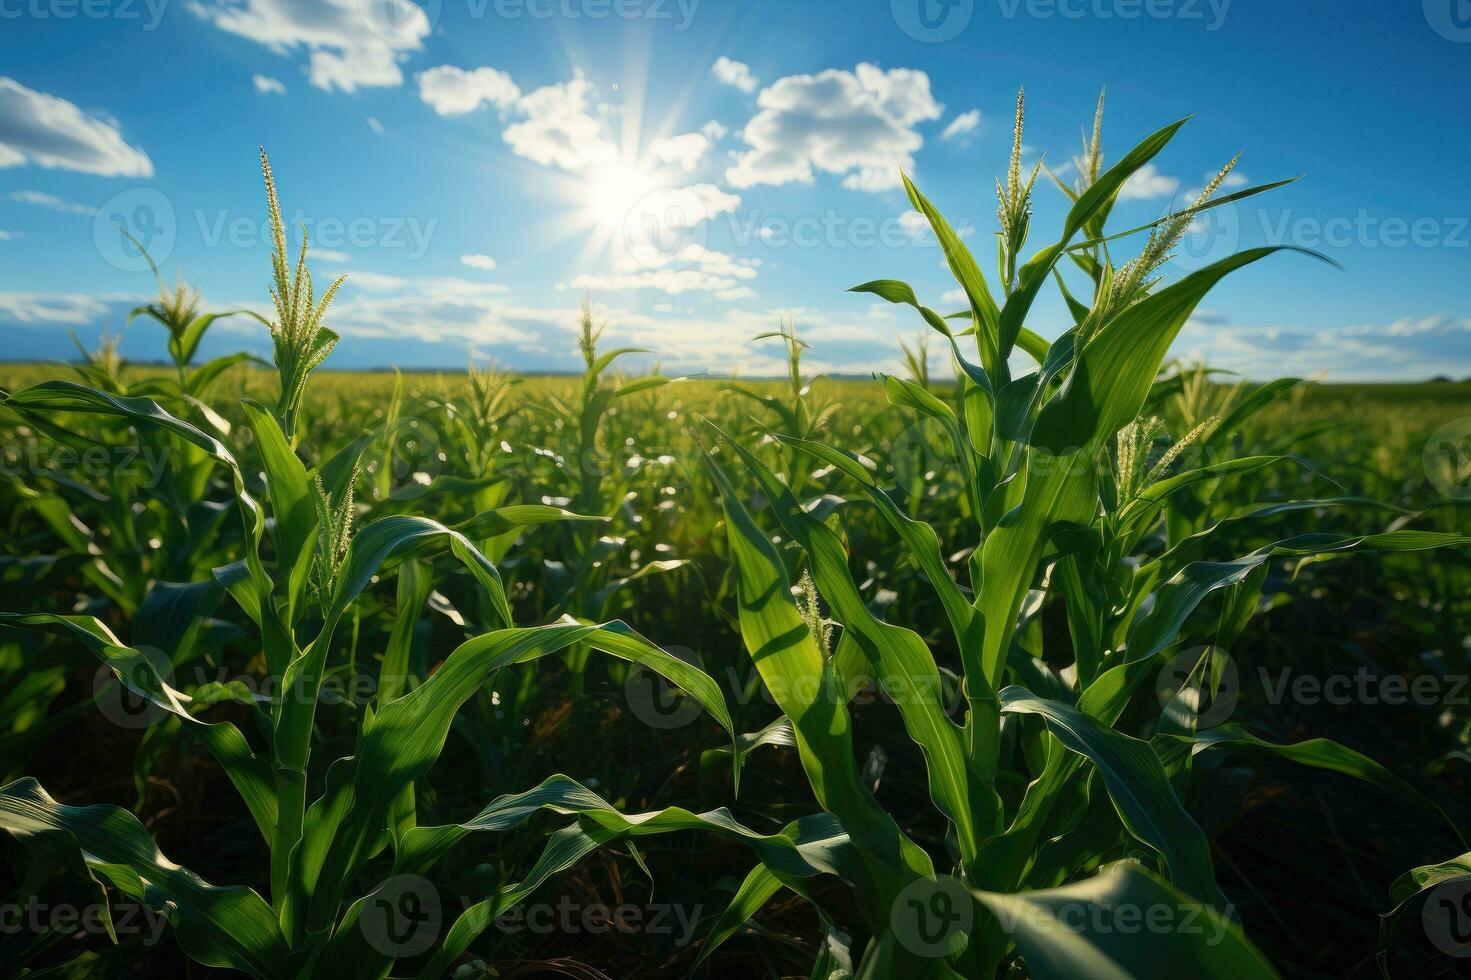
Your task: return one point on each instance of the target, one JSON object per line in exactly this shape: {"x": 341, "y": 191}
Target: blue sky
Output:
{"x": 702, "y": 168}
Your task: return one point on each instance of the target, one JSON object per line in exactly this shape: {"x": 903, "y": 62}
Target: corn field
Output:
{"x": 316, "y": 674}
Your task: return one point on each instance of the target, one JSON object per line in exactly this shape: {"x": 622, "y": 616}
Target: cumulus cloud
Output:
{"x": 685, "y": 151}
{"x": 856, "y": 123}
{"x": 50, "y": 202}
{"x": 349, "y": 44}
{"x": 477, "y": 261}
{"x": 1147, "y": 182}
{"x": 966, "y": 122}
{"x": 66, "y": 309}
{"x": 713, "y": 131}
{"x": 266, "y": 85}
{"x": 736, "y": 73}
{"x": 557, "y": 127}
{"x": 692, "y": 268}
{"x": 452, "y": 91}
{"x": 51, "y": 132}
{"x": 1405, "y": 349}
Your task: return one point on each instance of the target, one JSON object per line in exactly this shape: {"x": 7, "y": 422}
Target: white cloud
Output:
{"x": 714, "y": 131}
{"x": 51, "y": 132}
{"x": 265, "y": 84}
{"x": 914, "y": 224}
{"x": 686, "y": 151}
{"x": 69, "y": 309}
{"x": 330, "y": 255}
{"x": 1146, "y": 183}
{"x": 452, "y": 91}
{"x": 556, "y": 128}
{"x": 859, "y": 124}
{"x": 736, "y": 73}
{"x": 6, "y": 236}
{"x": 50, "y": 202}
{"x": 966, "y": 122}
{"x": 350, "y": 44}
{"x": 1406, "y": 349}
{"x": 477, "y": 261}
{"x": 375, "y": 125}
{"x": 692, "y": 268}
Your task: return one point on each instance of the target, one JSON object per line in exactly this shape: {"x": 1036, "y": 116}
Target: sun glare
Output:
{"x": 614, "y": 191}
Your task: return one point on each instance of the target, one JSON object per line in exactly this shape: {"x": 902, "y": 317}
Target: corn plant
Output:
{"x": 1059, "y": 786}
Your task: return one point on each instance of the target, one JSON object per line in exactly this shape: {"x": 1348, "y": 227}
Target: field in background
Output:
{"x": 1394, "y": 614}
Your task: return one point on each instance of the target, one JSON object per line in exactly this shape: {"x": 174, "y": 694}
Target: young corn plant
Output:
{"x": 337, "y": 831}
{"x": 1060, "y": 785}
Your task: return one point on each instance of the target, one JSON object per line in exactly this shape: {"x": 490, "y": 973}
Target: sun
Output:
{"x": 613, "y": 192}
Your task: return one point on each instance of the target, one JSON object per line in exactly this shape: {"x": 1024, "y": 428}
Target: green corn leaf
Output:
{"x": 902, "y": 663}
{"x": 1139, "y": 788}
{"x": 249, "y": 774}
{"x": 217, "y": 926}
{"x": 1081, "y": 930}
{"x": 408, "y": 734}
{"x": 1410, "y": 888}
{"x": 803, "y": 683}
{"x": 1116, "y": 368}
